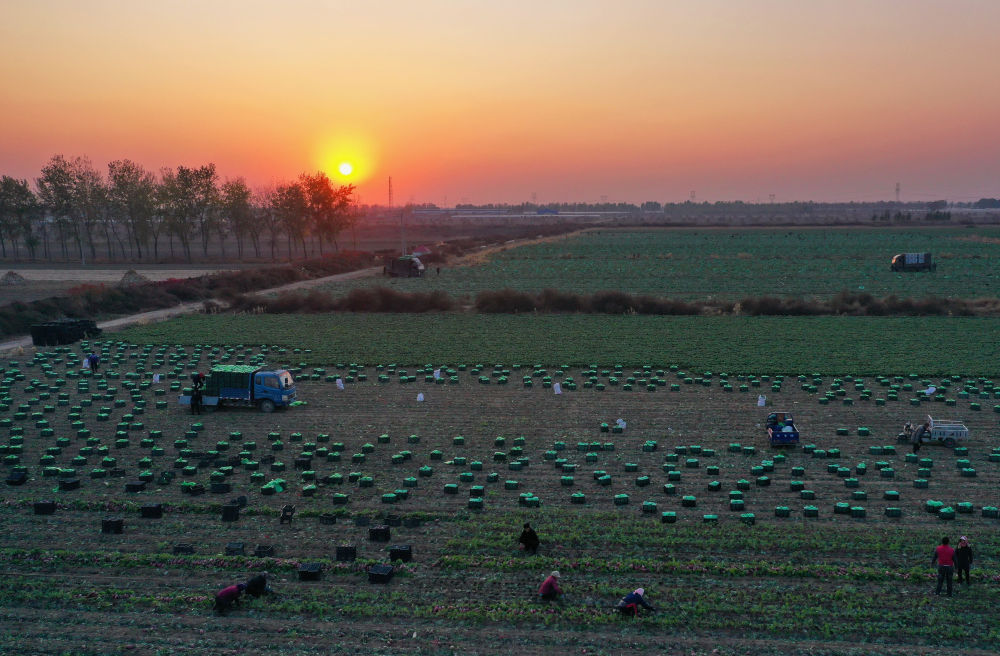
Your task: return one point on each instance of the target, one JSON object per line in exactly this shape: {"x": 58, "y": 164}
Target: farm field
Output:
{"x": 788, "y": 345}
{"x": 730, "y": 264}
{"x": 730, "y": 574}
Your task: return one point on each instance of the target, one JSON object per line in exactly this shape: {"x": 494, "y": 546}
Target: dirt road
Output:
{"x": 191, "y": 308}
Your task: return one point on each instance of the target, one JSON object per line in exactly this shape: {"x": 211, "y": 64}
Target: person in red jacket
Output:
{"x": 549, "y": 589}
{"x": 228, "y": 597}
{"x": 944, "y": 556}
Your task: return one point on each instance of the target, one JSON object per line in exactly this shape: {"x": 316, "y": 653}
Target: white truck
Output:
{"x": 941, "y": 431}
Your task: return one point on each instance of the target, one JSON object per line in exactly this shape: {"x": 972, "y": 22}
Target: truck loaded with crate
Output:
{"x": 912, "y": 262}
{"x": 244, "y": 385}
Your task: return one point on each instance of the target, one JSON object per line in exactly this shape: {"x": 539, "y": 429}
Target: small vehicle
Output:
{"x": 245, "y": 385}
{"x": 407, "y": 266}
{"x": 912, "y": 262}
{"x": 63, "y": 331}
{"x": 948, "y": 432}
{"x": 781, "y": 429}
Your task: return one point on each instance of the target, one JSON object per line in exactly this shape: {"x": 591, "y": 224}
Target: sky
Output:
{"x": 547, "y": 100}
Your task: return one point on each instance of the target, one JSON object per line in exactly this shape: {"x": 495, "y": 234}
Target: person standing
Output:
{"x": 529, "y": 539}
{"x": 918, "y": 436}
{"x": 944, "y": 556}
{"x": 550, "y": 590}
{"x": 963, "y": 559}
{"x": 196, "y": 401}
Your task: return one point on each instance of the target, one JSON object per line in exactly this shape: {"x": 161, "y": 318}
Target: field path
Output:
{"x": 191, "y": 308}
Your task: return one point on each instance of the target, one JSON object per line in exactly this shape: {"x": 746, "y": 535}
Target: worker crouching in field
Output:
{"x": 257, "y": 586}
{"x": 228, "y": 597}
{"x": 529, "y": 539}
{"x": 550, "y": 590}
{"x": 630, "y": 603}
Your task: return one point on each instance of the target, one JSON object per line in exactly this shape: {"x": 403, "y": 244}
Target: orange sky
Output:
{"x": 476, "y": 101}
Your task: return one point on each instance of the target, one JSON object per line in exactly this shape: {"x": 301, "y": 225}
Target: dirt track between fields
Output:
{"x": 192, "y": 308}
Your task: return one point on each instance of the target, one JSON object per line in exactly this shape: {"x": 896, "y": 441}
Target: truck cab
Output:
{"x": 273, "y": 389}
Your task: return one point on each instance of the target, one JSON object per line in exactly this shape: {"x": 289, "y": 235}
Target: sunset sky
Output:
{"x": 477, "y": 101}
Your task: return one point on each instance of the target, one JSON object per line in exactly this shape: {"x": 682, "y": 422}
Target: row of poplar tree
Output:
{"x": 74, "y": 212}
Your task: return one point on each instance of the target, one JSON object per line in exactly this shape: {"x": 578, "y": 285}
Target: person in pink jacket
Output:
{"x": 228, "y": 597}
{"x": 549, "y": 589}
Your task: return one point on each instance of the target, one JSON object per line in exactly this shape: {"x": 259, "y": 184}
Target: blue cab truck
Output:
{"x": 245, "y": 385}
{"x": 781, "y": 430}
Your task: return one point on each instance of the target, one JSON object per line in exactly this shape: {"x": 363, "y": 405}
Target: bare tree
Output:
{"x": 18, "y": 209}
{"x": 237, "y": 211}
{"x": 291, "y": 206}
{"x": 131, "y": 192}
{"x": 328, "y": 207}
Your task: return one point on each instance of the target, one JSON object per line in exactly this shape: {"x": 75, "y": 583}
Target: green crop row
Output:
{"x": 866, "y": 346}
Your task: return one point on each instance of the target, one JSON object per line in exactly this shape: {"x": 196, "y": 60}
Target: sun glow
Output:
{"x": 347, "y": 158}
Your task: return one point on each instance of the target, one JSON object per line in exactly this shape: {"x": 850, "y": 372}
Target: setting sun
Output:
{"x": 345, "y": 168}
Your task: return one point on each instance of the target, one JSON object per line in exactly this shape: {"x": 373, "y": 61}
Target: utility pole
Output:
{"x": 897, "y": 193}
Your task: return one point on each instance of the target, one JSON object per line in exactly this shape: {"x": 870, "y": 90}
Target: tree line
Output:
{"x": 73, "y": 211}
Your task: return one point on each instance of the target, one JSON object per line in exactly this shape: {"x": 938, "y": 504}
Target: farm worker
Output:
{"x": 95, "y": 361}
{"x": 944, "y": 556}
{"x": 629, "y": 605}
{"x": 549, "y": 589}
{"x": 529, "y": 539}
{"x": 963, "y": 558}
{"x": 196, "y": 401}
{"x": 228, "y": 596}
{"x": 257, "y": 586}
{"x": 918, "y": 435}
{"x": 198, "y": 379}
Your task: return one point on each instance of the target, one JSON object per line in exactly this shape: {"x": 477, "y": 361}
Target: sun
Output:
{"x": 345, "y": 168}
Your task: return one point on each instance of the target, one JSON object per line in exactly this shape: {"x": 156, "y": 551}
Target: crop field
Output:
{"x": 789, "y": 345}
{"x": 818, "y": 549}
{"x": 730, "y": 264}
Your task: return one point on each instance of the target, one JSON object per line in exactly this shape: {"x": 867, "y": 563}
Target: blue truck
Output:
{"x": 781, "y": 430}
{"x": 245, "y": 385}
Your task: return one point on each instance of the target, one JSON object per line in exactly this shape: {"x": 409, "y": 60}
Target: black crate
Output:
{"x": 235, "y": 549}
{"x": 220, "y": 487}
{"x": 183, "y": 549}
{"x": 135, "y": 486}
{"x": 327, "y": 519}
{"x": 17, "y": 478}
{"x": 347, "y": 553}
{"x": 379, "y": 534}
{"x": 230, "y": 513}
{"x": 393, "y": 520}
{"x": 401, "y": 552}
{"x": 239, "y": 501}
{"x": 45, "y": 507}
{"x": 310, "y": 571}
{"x": 69, "y": 484}
{"x": 303, "y": 463}
{"x": 196, "y": 490}
{"x": 152, "y": 511}
{"x": 114, "y": 525}
{"x": 117, "y": 473}
{"x": 380, "y": 573}
{"x": 264, "y": 551}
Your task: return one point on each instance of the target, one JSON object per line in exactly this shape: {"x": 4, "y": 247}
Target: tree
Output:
{"x": 132, "y": 200}
{"x": 75, "y": 196}
{"x": 237, "y": 210}
{"x": 189, "y": 201}
{"x": 18, "y": 209}
{"x": 291, "y": 208}
{"x": 328, "y": 208}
